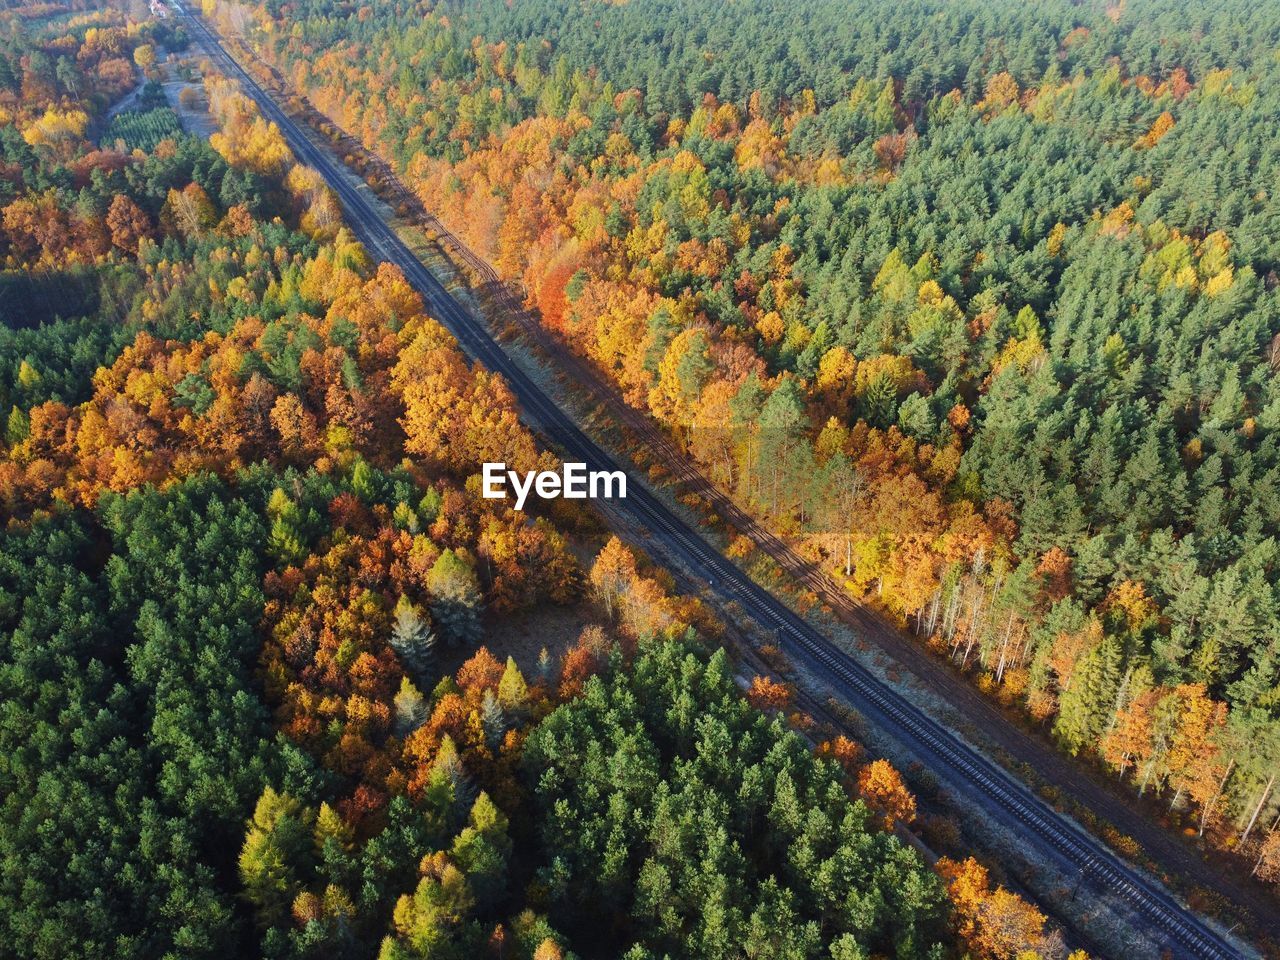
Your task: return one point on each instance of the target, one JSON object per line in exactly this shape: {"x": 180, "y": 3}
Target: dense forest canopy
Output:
{"x": 675, "y": 52}
{"x": 249, "y": 590}
{"x": 976, "y": 300}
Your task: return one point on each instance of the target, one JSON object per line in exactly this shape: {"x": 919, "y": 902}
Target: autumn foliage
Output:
{"x": 995, "y": 924}
{"x": 903, "y": 364}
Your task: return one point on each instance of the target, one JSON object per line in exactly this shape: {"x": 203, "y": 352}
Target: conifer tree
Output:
{"x": 412, "y": 639}
{"x": 455, "y": 598}
{"x": 410, "y": 707}
{"x": 513, "y": 692}
{"x": 278, "y": 833}
{"x": 493, "y": 719}
{"x": 448, "y": 765}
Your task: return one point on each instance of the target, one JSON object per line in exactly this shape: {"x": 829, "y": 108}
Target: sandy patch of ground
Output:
{"x": 181, "y": 72}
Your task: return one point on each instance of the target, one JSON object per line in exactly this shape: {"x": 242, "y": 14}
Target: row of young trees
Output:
{"x": 990, "y": 327}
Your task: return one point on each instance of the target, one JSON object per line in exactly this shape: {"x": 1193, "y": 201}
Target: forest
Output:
{"x": 253, "y": 700}
{"x": 974, "y": 302}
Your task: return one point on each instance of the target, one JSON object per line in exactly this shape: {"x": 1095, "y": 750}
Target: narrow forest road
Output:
{"x": 1028, "y": 819}
{"x": 127, "y": 102}
{"x": 124, "y": 103}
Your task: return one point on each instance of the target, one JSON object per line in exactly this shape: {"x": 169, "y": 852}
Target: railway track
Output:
{"x": 1170, "y": 924}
